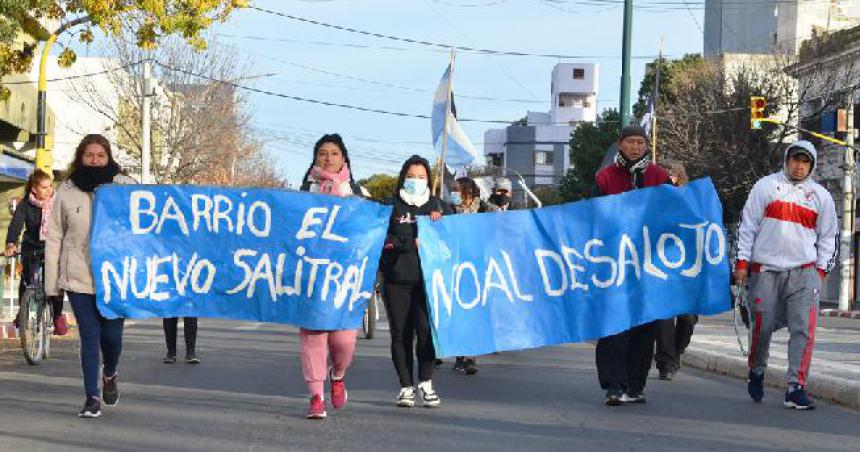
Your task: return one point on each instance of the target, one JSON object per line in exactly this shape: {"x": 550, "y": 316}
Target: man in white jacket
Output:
{"x": 786, "y": 245}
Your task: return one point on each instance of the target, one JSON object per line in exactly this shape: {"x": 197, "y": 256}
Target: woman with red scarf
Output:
{"x": 329, "y": 174}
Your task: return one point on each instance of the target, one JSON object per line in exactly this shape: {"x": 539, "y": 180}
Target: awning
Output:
{"x": 13, "y": 169}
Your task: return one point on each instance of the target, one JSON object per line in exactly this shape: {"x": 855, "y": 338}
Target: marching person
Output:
{"x": 189, "y": 331}
{"x": 786, "y": 245}
{"x": 502, "y": 193}
{"x": 329, "y": 173}
{"x": 674, "y": 335}
{"x": 624, "y": 359}
{"x": 466, "y": 198}
{"x": 67, "y": 267}
{"x": 405, "y": 299}
{"x": 32, "y": 215}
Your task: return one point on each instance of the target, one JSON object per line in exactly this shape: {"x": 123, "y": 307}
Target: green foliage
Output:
{"x": 380, "y": 186}
{"x": 149, "y": 20}
{"x": 588, "y": 145}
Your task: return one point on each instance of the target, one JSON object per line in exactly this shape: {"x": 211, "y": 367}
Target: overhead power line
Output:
{"x": 321, "y": 102}
{"x": 429, "y": 43}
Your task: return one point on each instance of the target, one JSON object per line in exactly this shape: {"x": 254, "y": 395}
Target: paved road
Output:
{"x": 248, "y": 395}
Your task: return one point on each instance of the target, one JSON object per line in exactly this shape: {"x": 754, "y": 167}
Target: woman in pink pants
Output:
{"x": 329, "y": 174}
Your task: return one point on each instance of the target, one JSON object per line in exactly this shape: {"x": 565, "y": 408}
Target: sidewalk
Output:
{"x": 835, "y": 372}
{"x": 8, "y": 331}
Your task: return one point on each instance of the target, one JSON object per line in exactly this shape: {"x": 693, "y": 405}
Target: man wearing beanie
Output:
{"x": 786, "y": 245}
{"x": 624, "y": 359}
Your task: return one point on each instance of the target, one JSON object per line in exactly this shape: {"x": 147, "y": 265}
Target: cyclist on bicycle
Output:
{"x": 32, "y": 215}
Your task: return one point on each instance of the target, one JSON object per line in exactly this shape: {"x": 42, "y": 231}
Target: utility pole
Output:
{"x": 625, "y": 63}
{"x": 146, "y": 135}
{"x": 846, "y": 258}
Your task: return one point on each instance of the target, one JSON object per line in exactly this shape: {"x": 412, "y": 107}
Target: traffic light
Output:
{"x": 757, "y": 105}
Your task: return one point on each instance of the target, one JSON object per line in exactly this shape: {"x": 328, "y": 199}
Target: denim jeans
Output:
{"x": 101, "y": 338}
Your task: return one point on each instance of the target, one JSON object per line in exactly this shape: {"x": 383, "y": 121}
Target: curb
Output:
{"x": 841, "y": 314}
{"x": 8, "y": 330}
{"x": 834, "y": 389}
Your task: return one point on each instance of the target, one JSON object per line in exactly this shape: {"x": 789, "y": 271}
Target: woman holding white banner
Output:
{"x": 67, "y": 267}
{"x": 328, "y": 174}
{"x": 405, "y": 299}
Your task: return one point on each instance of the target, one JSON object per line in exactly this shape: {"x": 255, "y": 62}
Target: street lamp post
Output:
{"x": 44, "y": 160}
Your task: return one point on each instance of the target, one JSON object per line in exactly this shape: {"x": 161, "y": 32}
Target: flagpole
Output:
{"x": 656, "y": 96}
{"x": 440, "y": 162}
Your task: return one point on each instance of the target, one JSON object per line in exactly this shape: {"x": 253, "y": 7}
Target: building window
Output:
{"x": 573, "y": 100}
{"x": 543, "y": 158}
{"x": 579, "y": 74}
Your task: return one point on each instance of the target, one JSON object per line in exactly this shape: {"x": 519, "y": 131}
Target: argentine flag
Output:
{"x": 459, "y": 150}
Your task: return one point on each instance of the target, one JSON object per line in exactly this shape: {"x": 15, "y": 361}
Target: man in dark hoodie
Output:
{"x": 624, "y": 359}
{"x": 405, "y": 299}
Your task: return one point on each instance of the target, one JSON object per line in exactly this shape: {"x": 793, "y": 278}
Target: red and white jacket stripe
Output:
{"x": 786, "y": 225}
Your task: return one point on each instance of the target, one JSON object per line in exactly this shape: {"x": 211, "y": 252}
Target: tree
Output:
{"x": 200, "y": 126}
{"x": 380, "y": 186}
{"x": 549, "y": 195}
{"x": 588, "y": 145}
{"x": 704, "y": 122}
{"x": 149, "y": 21}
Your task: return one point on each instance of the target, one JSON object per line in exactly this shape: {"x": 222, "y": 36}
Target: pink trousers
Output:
{"x": 317, "y": 348}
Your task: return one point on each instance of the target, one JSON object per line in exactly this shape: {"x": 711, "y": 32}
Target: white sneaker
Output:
{"x": 428, "y": 395}
{"x": 406, "y": 398}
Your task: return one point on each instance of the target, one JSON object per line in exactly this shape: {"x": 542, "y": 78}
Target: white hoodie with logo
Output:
{"x": 787, "y": 224}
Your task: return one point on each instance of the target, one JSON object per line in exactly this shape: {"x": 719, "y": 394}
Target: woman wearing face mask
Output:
{"x": 466, "y": 198}
{"x": 328, "y": 174}
{"x": 31, "y": 216}
{"x": 67, "y": 267}
{"x": 405, "y": 300}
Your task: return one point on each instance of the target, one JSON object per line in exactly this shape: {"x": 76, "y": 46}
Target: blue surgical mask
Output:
{"x": 415, "y": 187}
{"x": 455, "y": 198}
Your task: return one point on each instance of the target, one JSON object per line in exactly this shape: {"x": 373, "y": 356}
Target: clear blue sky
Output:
{"x": 379, "y": 143}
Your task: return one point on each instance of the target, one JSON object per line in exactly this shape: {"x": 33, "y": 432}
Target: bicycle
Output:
{"x": 741, "y": 314}
{"x": 36, "y": 314}
{"x": 371, "y": 314}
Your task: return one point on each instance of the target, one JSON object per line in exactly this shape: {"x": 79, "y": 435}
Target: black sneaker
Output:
{"x": 798, "y": 400}
{"x": 438, "y": 363}
{"x": 169, "y": 359}
{"x": 637, "y": 397}
{"x": 614, "y": 397}
{"x": 110, "y": 391}
{"x": 191, "y": 358}
{"x": 459, "y": 365}
{"x": 755, "y": 386}
{"x": 92, "y": 408}
{"x": 470, "y": 366}
{"x": 667, "y": 375}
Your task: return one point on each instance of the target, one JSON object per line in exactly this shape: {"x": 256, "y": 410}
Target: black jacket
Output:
{"x": 400, "y": 262}
{"x": 29, "y": 215}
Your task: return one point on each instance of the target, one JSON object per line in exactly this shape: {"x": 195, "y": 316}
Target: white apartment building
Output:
{"x": 539, "y": 148}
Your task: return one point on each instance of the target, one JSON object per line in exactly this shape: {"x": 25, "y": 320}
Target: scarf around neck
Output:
{"x": 87, "y": 178}
{"x": 415, "y": 200}
{"x": 473, "y": 207}
{"x": 331, "y": 183}
{"x": 636, "y": 168}
{"x": 46, "y": 206}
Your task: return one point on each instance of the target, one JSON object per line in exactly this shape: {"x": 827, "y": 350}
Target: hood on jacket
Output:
{"x": 414, "y": 160}
{"x": 806, "y": 147}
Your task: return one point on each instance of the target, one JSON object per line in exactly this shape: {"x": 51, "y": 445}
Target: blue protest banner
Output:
{"x": 252, "y": 254}
{"x": 574, "y": 272}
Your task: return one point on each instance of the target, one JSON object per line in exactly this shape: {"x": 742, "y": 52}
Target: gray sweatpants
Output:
{"x": 785, "y": 298}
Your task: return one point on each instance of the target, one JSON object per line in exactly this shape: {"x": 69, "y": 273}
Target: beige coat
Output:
{"x": 67, "y": 246}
